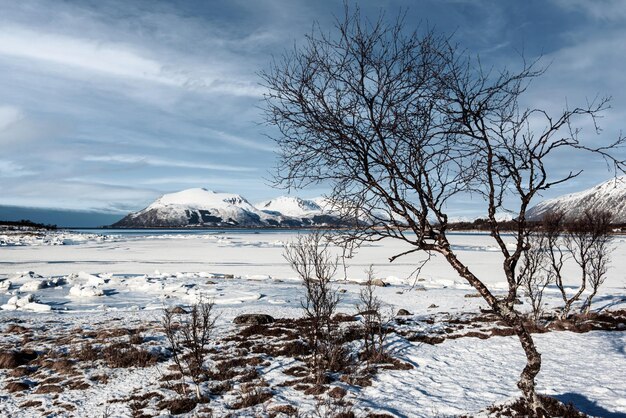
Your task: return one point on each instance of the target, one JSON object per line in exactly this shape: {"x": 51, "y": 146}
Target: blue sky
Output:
{"x": 106, "y": 105}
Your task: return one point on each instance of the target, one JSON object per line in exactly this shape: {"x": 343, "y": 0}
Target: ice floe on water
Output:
{"x": 41, "y": 237}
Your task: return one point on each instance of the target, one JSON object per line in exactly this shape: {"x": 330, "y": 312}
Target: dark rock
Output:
{"x": 376, "y": 282}
{"x": 253, "y": 319}
{"x": 178, "y": 310}
{"x": 433, "y": 306}
{"x": 403, "y": 312}
{"x": 344, "y": 317}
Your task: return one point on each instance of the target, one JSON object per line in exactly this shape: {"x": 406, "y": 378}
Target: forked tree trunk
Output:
{"x": 569, "y": 302}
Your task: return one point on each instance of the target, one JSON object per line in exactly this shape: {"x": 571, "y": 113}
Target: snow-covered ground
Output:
{"x": 126, "y": 280}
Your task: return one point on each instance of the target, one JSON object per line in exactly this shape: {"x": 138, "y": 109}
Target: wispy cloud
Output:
{"x": 163, "y": 162}
{"x": 115, "y": 60}
{"x": 156, "y": 94}
{"x": 608, "y": 10}
{"x": 10, "y": 169}
{"x": 8, "y": 116}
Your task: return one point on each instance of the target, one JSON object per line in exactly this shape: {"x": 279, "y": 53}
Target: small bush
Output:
{"x": 251, "y": 396}
{"x": 125, "y": 355}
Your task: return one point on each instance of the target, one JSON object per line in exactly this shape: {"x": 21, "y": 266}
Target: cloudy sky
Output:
{"x": 106, "y": 105}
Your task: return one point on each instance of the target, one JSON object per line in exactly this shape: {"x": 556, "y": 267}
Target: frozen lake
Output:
{"x": 127, "y": 277}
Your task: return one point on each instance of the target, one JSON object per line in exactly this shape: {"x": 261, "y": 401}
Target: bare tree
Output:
{"x": 586, "y": 241}
{"x": 401, "y": 124}
{"x": 188, "y": 335}
{"x": 592, "y": 232}
{"x": 311, "y": 258}
{"x": 535, "y": 274}
{"x": 374, "y": 321}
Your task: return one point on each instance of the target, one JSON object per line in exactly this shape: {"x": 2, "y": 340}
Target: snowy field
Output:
{"x": 57, "y": 284}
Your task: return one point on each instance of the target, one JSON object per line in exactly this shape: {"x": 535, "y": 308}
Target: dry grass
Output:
{"x": 12, "y": 387}
{"x": 31, "y": 404}
{"x": 287, "y": 410}
{"x": 553, "y": 407}
{"x": 252, "y": 395}
{"x": 11, "y": 359}
{"x": 125, "y": 355}
{"x": 49, "y": 389}
{"x": 178, "y": 406}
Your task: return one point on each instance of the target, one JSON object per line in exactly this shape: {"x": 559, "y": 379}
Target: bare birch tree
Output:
{"x": 310, "y": 257}
{"x": 401, "y": 124}
{"x": 535, "y": 273}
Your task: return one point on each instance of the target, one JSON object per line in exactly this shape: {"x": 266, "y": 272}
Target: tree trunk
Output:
{"x": 570, "y": 302}
{"x": 533, "y": 364}
{"x": 586, "y": 308}
{"x": 533, "y": 359}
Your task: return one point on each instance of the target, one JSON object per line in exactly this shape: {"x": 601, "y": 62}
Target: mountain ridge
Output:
{"x": 609, "y": 195}
{"x": 200, "y": 207}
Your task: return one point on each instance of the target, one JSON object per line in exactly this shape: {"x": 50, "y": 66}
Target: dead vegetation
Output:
{"x": 235, "y": 364}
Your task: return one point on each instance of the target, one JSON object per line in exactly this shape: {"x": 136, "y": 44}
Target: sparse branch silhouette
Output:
{"x": 401, "y": 124}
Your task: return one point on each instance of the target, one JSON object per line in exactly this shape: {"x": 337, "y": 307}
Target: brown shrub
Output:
{"x": 171, "y": 376}
{"x": 252, "y": 395}
{"x": 49, "y": 389}
{"x": 11, "y": 359}
{"x": 337, "y": 392}
{"x": 16, "y": 329}
{"x": 87, "y": 352}
{"x": 63, "y": 366}
{"x": 124, "y": 355}
{"x": 344, "y": 317}
{"x": 316, "y": 390}
{"x": 51, "y": 380}
{"x": 16, "y": 387}
{"x": 112, "y": 333}
{"x": 249, "y": 375}
{"x": 66, "y": 406}
{"x": 136, "y": 339}
{"x": 297, "y": 371}
{"x": 221, "y": 387}
{"x": 432, "y": 340}
{"x": 553, "y": 407}
{"x": 178, "y": 406}
{"x": 294, "y": 349}
{"x": 30, "y": 404}
{"x": 22, "y": 371}
{"x": 100, "y": 378}
{"x": 78, "y": 384}
{"x": 288, "y": 410}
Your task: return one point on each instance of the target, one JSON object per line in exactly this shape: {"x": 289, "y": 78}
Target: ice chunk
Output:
{"x": 37, "y": 307}
{"x": 79, "y": 291}
{"x": 33, "y": 285}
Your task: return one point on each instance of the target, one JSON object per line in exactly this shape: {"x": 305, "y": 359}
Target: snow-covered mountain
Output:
{"x": 197, "y": 207}
{"x": 290, "y": 206}
{"x": 302, "y": 212}
{"x": 201, "y": 207}
{"x": 610, "y": 196}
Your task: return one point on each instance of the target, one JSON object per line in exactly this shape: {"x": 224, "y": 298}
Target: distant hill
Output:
{"x": 610, "y": 196}
{"x": 204, "y": 208}
{"x": 59, "y": 217}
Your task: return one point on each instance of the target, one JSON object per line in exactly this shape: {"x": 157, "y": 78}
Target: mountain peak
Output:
{"x": 290, "y": 206}
{"x": 609, "y": 195}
